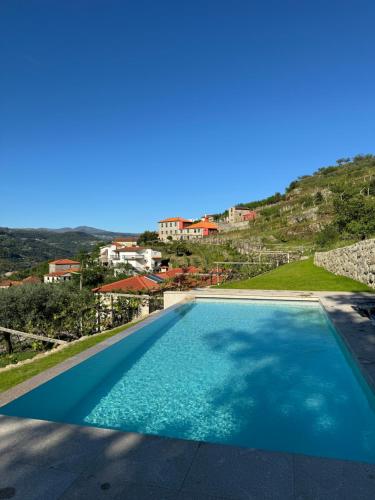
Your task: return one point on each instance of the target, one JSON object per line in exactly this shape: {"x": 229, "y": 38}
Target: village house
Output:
{"x": 125, "y": 251}
{"x": 9, "y": 283}
{"x": 210, "y": 218}
{"x": 177, "y": 228}
{"x": 172, "y": 228}
{"x": 241, "y": 214}
{"x": 199, "y": 230}
{"x": 61, "y": 270}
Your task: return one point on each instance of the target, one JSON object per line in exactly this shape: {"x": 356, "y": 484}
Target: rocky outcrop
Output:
{"x": 355, "y": 261}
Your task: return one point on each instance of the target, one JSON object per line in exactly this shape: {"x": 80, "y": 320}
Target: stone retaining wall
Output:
{"x": 355, "y": 261}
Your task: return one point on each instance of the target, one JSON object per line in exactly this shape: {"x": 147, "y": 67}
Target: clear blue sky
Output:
{"x": 118, "y": 113}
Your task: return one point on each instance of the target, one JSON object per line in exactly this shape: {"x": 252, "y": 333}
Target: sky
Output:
{"x": 118, "y": 113}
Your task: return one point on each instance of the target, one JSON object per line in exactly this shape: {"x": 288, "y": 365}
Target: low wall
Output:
{"x": 355, "y": 261}
{"x": 172, "y": 298}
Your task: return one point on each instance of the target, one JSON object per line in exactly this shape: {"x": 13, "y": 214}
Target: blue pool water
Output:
{"x": 259, "y": 374}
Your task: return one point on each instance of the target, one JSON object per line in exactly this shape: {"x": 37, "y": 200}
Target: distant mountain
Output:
{"x": 88, "y": 230}
{"x": 25, "y": 248}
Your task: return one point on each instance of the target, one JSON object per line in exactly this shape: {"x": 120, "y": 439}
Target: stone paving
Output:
{"x": 49, "y": 460}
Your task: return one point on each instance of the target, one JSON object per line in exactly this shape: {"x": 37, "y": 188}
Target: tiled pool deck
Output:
{"x": 48, "y": 460}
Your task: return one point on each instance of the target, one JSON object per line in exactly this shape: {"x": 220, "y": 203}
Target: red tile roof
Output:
{"x": 176, "y": 271}
{"x": 175, "y": 219}
{"x": 202, "y": 225}
{"x": 133, "y": 284}
{"x": 143, "y": 283}
{"x": 126, "y": 238}
{"x": 31, "y": 279}
{"x": 64, "y": 261}
{"x": 8, "y": 283}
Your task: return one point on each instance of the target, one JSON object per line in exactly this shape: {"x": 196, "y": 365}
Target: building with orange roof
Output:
{"x": 63, "y": 265}
{"x": 9, "y": 283}
{"x": 149, "y": 284}
{"x": 32, "y": 280}
{"x": 61, "y": 270}
{"x": 171, "y": 229}
{"x": 177, "y": 228}
{"x": 200, "y": 229}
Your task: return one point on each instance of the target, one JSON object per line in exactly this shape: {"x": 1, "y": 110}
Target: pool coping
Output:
{"x": 204, "y": 470}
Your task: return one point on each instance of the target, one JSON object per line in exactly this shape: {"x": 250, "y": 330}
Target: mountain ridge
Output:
{"x": 79, "y": 229}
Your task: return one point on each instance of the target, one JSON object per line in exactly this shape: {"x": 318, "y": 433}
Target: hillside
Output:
{"x": 333, "y": 206}
{"x": 24, "y": 248}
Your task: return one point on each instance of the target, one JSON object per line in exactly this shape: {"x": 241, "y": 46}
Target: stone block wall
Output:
{"x": 355, "y": 261}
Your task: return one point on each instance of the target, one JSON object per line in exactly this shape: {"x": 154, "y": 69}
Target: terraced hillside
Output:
{"x": 334, "y": 206}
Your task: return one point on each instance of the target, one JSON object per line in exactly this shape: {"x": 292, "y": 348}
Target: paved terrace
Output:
{"x": 48, "y": 460}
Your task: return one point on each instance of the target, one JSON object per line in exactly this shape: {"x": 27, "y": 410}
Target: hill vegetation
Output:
{"x": 25, "y": 248}
{"x": 334, "y": 206}
{"x": 30, "y": 249}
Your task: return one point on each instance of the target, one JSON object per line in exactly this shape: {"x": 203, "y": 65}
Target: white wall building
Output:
{"x": 140, "y": 258}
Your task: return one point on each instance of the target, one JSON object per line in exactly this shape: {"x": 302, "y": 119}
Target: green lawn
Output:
{"x": 9, "y": 359}
{"x": 301, "y": 275}
{"x": 16, "y": 375}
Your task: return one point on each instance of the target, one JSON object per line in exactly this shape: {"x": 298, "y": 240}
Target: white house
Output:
{"x": 140, "y": 258}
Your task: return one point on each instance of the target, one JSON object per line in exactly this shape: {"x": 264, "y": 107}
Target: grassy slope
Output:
{"x": 16, "y": 375}
{"x": 301, "y": 275}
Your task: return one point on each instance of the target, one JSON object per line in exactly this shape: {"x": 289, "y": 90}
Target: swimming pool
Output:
{"x": 266, "y": 374}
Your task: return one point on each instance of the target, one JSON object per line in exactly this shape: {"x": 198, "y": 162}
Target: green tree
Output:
{"x": 327, "y": 236}
{"x": 355, "y": 215}
{"x": 52, "y": 310}
{"x": 341, "y": 161}
{"x": 147, "y": 238}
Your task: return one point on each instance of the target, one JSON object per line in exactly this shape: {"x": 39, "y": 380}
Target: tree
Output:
{"x": 355, "y": 215}
{"x": 92, "y": 275}
{"x": 327, "y": 236}
{"x": 52, "y": 310}
{"x": 340, "y": 161}
{"x": 291, "y": 186}
{"x": 147, "y": 238}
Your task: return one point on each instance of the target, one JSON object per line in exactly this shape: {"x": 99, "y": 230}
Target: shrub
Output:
{"x": 327, "y": 236}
